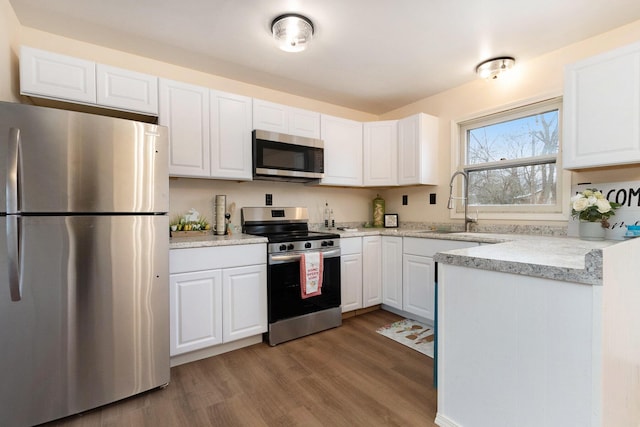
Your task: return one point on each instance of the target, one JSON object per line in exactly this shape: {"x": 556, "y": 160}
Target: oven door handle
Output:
{"x": 292, "y": 257}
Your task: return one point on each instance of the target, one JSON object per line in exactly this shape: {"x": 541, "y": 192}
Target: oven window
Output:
{"x": 285, "y": 300}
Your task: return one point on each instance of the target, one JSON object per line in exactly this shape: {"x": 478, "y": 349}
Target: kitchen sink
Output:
{"x": 442, "y": 231}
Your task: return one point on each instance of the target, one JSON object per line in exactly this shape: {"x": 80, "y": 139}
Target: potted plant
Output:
{"x": 593, "y": 211}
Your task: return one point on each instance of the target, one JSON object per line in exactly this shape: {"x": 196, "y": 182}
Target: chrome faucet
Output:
{"x": 450, "y": 205}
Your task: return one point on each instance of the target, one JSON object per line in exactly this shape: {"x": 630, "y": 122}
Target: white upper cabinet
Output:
{"x": 50, "y": 75}
{"x": 274, "y": 117}
{"x": 342, "y": 151}
{"x": 127, "y": 90}
{"x": 231, "y": 156}
{"x": 602, "y": 110}
{"x": 381, "y": 153}
{"x": 184, "y": 108}
{"x": 418, "y": 150}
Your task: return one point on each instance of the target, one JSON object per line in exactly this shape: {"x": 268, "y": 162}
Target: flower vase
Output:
{"x": 591, "y": 230}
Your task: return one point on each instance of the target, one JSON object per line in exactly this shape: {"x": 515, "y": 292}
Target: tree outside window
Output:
{"x": 511, "y": 157}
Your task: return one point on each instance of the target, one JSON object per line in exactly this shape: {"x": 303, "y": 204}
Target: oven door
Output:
{"x": 283, "y": 156}
{"x": 283, "y": 286}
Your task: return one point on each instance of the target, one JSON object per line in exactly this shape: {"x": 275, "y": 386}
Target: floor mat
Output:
{"x": 411, "y": 333}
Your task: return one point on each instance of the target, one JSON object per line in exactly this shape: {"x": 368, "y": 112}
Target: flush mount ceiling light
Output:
{"x": 493, "y": 68}
{"x": 292, "y": 32}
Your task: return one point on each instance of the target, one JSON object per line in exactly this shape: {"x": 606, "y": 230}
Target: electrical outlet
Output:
{"x": 268, "y": 199}
{"x": 405, "y": 200}
{"x": 432, "y": 198}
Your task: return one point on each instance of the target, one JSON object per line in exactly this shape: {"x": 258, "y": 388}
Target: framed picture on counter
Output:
{"x": 391, "y": 220}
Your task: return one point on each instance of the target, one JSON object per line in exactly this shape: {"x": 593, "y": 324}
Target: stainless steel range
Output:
{"x": 290, "y": 315}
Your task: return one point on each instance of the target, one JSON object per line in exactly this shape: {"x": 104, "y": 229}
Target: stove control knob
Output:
{"x": 290, "y": 247}
{"x": 324, "y": 243}
{"x": 330, "y": 242}
{"x": 307, "y": 245}
{"x": 283, "y": 247}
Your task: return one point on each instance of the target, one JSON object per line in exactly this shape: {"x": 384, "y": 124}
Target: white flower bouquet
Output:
{"x": 592, "y": 206}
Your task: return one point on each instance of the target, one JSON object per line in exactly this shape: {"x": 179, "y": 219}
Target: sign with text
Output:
{"x": 625, "y": 193}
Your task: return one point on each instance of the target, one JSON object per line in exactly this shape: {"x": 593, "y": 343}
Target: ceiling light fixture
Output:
{"x": 493, "y": 68}
{"x": 292, "y": 32}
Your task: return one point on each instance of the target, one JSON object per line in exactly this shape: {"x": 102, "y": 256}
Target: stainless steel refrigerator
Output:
{"x": 84, "y": 299}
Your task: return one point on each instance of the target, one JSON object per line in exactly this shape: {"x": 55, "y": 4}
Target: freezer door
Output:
{"x": 92, "y": 326}
{"x": 82, "y": 163}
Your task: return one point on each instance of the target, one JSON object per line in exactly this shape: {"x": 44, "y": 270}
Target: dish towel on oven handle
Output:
{"x": 310, "y": 274}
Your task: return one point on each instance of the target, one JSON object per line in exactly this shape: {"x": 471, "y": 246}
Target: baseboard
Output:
{"x": 407, "y": 314}
{"x": 443, "y": 421}
{"x": 204, "y": 353}
{"x": 360, "y": 311}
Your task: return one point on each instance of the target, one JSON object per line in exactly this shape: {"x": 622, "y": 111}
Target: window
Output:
{"x": 511, "y": 159}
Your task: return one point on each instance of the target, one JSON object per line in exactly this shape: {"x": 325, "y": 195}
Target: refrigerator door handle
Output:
{"x": 13, "y": 249}
{"x": 13, "y": 157}
{"x": 13, "y": 206}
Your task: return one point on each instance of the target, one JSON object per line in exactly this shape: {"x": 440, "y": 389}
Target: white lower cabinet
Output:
{"x": 418, "y": 285}
{"x": 218, "y": 295}
{"x": 371, "y": 271}
{"x": 392, "y": 271}
{"x": 244, "y": 294}
{"x": 360, "y": 272}
{"x": 418, "y": 273}
{"x": 196, "y": 315}
{"x": 351, "y": 273}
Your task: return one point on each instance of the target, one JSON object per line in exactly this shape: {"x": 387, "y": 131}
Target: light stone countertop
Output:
{"x": 559, "y": 258}
{"x": 214, "y": 240}
{"x": 553, "y": 257}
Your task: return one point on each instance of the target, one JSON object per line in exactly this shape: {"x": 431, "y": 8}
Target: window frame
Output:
{"x": 555, "y": 212}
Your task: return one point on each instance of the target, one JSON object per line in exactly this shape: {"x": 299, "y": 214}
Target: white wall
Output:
{"x": 9, "y": 28}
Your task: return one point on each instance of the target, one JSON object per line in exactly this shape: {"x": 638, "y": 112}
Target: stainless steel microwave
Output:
{"x": 283, "y": 157}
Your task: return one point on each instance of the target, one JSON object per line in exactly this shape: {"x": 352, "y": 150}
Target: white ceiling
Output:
{"x": 369, "y": 55}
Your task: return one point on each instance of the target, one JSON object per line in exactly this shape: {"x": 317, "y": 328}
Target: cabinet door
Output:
{"x": 418, "y": 150}
{"x": 371, "y": 270}
{"x": 304, "y": 123}
{"x": 392, "y": 271}
{"x": 245, "y": 302}
{"x": 418, "y": 287}
{"x": 381, "y": 153}
{"x": 602, "y": 110}
{"x": 195, "y": 311}
{"x": 342, "y": 151}
{"x": 230, "y": 136}
{"x": 50, "y": 75}
{"x": 270, "y": 116}
{"x": 351, "y": 281}
{"x": 127, "y": 90}
{"x": 184, "y": 108}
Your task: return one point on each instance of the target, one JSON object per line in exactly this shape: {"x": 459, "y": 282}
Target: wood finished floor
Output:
{"x": 348, "y": 376}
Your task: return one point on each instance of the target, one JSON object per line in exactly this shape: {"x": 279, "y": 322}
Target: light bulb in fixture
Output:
{"x": 292, "y": 32}
{"x": 493, "y": 68}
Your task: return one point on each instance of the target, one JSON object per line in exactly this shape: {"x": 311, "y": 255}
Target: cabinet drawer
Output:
{"x": 197, "y": 259}
{"x": 429, "y": 247}
{"x": 351, "y": 245}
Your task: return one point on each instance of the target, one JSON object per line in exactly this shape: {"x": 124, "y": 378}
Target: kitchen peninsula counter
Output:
{"x": 551, "y": 323}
